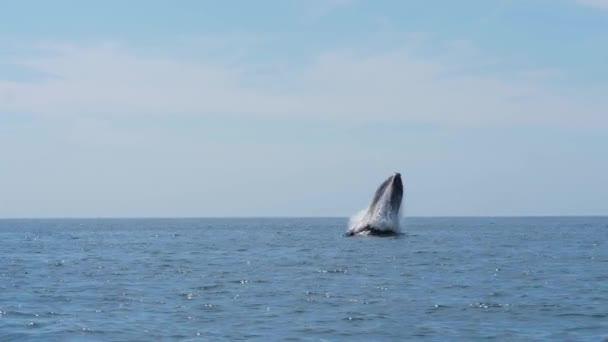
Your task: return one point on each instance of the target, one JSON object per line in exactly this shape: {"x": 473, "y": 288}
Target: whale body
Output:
{"x": 382, "y": 216}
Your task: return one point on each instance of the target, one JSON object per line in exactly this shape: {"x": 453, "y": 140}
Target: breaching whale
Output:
{"x": 382, "y": 215}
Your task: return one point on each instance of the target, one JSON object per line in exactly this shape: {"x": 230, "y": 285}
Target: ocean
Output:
{"x": 445, "y": 279}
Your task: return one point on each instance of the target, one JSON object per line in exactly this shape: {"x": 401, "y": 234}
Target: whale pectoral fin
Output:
{"x": 356, "y": 231}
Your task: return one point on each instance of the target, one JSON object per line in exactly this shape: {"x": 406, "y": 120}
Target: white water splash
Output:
{"x": 382, "y": 217}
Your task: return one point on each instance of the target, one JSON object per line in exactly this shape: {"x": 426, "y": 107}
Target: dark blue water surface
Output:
{"x": 299, "y": 279}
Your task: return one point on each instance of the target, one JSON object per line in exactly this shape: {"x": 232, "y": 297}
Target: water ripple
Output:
{"x": 298, "y": 279}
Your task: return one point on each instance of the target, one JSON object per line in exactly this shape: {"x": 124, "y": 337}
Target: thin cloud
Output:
{"x": 601, "y": 4}
{"x": 108, "y": 80}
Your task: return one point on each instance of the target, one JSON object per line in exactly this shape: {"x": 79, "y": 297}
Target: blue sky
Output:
{"x": 302, "y": 107}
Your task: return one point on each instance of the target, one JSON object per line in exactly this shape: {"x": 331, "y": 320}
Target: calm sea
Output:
{"x": 447, "y": 279}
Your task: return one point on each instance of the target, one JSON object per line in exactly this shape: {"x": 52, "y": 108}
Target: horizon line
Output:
{"x": 286, "y": 217}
